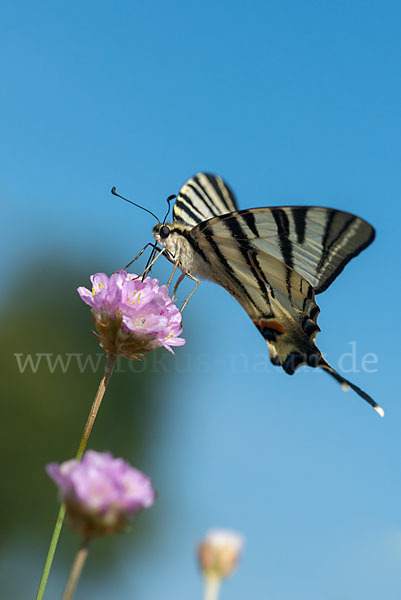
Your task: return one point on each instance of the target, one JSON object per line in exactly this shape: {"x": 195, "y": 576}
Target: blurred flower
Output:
{"x": 219, "y": 552}
{"x": 101, "y": 493}
{"x": 132, "y": 316}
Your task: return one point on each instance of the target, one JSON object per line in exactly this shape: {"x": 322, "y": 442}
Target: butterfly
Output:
{"x": 274, "y": 261}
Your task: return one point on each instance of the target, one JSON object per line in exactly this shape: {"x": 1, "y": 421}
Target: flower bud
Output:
{"x": 219, "y": 552}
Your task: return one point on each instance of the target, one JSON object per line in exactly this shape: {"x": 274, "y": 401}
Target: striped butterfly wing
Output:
{"x": 202, "y": 197}
{"x": 314, "y": 241}
{"x": 274, "y": 261}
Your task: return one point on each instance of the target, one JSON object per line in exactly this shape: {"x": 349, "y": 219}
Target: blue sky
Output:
{"x": 292, "y": 103}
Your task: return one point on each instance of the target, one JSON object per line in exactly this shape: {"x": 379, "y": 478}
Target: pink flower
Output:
{"x": 101, "y": 493}
{"x": 132, "y": 316}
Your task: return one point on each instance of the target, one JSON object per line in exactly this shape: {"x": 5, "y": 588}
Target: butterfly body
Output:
{"x": 183, "y": 251}
{"x": 274, "y": 261}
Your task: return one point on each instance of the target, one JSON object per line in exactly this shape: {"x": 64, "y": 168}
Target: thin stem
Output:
{"x": 108, "y": 371}
{"x": 76, "y": 571}
{"x": 212, "y": 587}
{"x": 51, "y": 551}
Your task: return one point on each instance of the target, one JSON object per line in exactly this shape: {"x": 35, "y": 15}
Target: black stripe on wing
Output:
{"x": 223, "y": 191}
{"x": 331, "y": 276}
{"x": 237, "y": 286}
{"x": 283, "y": 231}
{"x": 185, "y": 204}
{"x": 202, "y": 197}
{"x": 249, "y": 257}
{"x": 299, "y": 216}
{"x": 249, "y": 219}
{"x": 316, "y": 242}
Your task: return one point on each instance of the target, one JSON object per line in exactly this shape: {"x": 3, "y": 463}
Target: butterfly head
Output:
{"x": 162, "y": 231}
{"x": 164, "y": 235}
{"x": 175, "y": 238}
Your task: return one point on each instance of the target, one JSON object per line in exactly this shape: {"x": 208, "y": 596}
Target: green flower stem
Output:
{"x": 108, "y": 371}
{"x": 76, "y": 571}
{"x": 212, "y": 587}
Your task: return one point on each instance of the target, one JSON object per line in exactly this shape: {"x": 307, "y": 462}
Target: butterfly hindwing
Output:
{"x": 279, "y": 301}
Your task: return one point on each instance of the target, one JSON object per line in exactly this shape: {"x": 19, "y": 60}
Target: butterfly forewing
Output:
{"x": 316, "y": 242}
{"x": 202, "y": 197}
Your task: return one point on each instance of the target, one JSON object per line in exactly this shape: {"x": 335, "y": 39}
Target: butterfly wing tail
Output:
{"x": 313, "y": 358}
{"x": 346, "y": 384}
{"x": 291, "y": 340}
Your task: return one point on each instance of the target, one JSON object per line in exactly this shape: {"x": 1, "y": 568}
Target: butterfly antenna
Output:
{"x": 113, "y": 191}
{"x": 169, "y": 199}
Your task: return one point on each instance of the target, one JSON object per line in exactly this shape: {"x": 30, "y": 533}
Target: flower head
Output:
{"x": 219, "y": 552}
{"x": 132, "y": 316}
{"x": 101, "y": 493}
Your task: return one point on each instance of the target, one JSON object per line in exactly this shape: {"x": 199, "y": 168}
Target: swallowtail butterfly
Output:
{"x": 274, "y": 261}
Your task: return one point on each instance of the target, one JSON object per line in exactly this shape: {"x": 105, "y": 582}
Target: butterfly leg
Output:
{"x": 181, "y": 277}
{"x": 154, "y": 246}
{"x": 193, "y": 291}
{"x": 172, "y": 275}
{"x": 149, "y": 266}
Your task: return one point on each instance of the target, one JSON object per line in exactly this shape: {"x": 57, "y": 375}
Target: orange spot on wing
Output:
{"x": 272, "y": 324}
